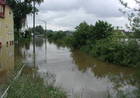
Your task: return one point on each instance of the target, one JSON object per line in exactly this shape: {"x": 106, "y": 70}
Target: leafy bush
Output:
{"x": 103, "y": 42}
{"x": 88, "y": 34}
{"x": 126, "y": 54}
{"x": 56, "y": 35}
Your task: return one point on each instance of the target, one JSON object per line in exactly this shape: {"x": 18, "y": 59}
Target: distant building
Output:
{"x": 6, "y": 24}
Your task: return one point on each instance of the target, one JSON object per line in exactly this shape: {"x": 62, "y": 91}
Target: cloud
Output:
{"x": 59, "y": 5}
{"x": 101, "y": 8}
{"x": 66, "y": 14}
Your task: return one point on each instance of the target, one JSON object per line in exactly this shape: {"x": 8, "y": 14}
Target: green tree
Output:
{"x": 102, "y": 30}
{"x": 21, "y": 10}
{"x": 37, "y": 1}
{"x": 88, "y": 34}
{"x": 81, "y": 35}
{"x": 39, "y": 30}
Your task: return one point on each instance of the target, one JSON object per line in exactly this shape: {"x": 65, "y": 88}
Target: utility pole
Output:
{"x": 45, "y": 22}
{"x": 33, "y": 18}
{"x": 34, "y": 58}
{"x": 45, "y": 25}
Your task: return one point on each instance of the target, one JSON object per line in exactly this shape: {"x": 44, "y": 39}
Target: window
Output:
{"x": 1, "y": 10}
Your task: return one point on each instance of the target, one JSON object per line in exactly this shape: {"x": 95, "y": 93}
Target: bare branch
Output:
{"x": 125, "y": 4}
{"x": 137, "y": 1}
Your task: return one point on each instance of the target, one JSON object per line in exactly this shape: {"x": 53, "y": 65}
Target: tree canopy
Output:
{"x": 86, "y": 34}
{"x": 21, "y": 9}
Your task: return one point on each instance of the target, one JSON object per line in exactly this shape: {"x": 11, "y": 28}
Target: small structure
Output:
{"x": 6, "y": 24}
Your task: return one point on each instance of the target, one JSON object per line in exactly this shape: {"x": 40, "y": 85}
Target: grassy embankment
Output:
{"x": 30, "y": 85}
{"x": 27, "y": 86}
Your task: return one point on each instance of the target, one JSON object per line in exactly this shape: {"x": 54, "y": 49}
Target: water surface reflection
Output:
{"x": 78, "y": 74}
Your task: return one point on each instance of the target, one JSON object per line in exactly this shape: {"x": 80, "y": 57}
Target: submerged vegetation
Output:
{"x": 32, "y": 86}
{"x": 29, "y": 84}
{"x": 102, "y": 41}
{"x": 29, "y": 87}
{"x": 63, "y": 38}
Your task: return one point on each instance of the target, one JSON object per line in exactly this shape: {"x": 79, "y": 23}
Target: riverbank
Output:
{"x": 102, "y": 42}
{"x": 32, "y": 86}
{"x": 29, "y": 84}
{"x": 24, "y": 82}
{"x": 78, "y": 74}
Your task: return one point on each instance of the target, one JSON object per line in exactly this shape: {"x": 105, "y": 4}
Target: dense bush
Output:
{"x": 88, "y": 34}
{"x": 126, "y": 54}
{"x": 60, "y": 37}
{"x": 81, "y": 35}
{"x": 56, "y": 35}
{"x": 101, "y": 41}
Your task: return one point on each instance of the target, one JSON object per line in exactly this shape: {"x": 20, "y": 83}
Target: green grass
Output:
{"x": 28, "y": 86}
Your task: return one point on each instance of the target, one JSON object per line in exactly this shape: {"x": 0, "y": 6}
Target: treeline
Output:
{"x": 63, "y": 38}
{"x": 28, "y": 33}
{"x": 102, "y": 41}
{"x": 38, "y": 30}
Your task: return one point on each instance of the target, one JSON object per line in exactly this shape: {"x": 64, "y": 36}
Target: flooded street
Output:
{"x": 78, "y": 74}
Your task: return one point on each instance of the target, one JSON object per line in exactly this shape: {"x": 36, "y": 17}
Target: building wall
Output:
{"x": 7, "y": 26}
{"x": 6, "y": 62}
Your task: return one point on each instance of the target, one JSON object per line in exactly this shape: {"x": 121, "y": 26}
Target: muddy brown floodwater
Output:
{"x": 78, "y": 74}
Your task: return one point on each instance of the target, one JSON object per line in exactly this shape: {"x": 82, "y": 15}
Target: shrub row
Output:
{"x": 101, "y": 40}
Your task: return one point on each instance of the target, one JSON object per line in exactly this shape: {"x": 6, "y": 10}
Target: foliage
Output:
{"x": 137, "y": 33}
{"x": 21, "y": 10}
{"x": 36, "y": 1}
{"x": 81, "y": 34}
{"x": 38, "y": 30}
{"x": 103, "y": 42}
{"x": 121, "y": 53}
{"x": 102, "y": 30}
{"x": 118, "y": 33}
{"x": 88, "y": 34}
{"x": 60, "y": 37}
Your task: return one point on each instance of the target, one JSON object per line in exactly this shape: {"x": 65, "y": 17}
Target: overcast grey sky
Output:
{"x": 66, "y": 14}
